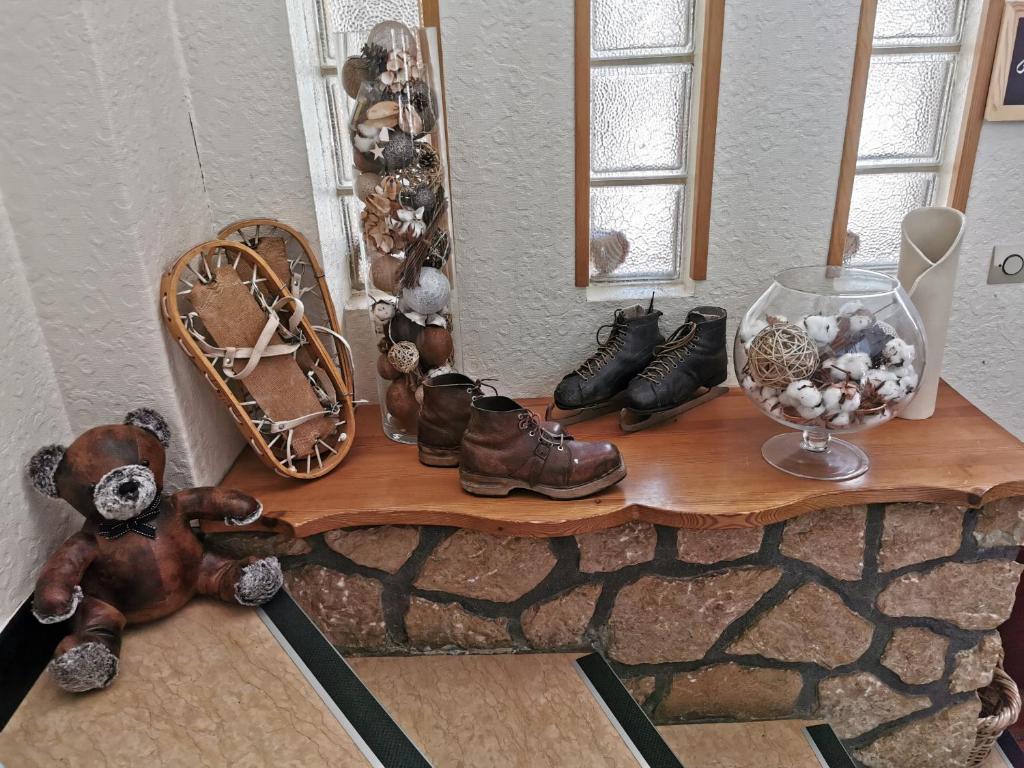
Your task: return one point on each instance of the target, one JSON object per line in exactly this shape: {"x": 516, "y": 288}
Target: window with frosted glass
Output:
{"x": 641, "y": 72}
{"x": 355, "y": 17}
{"x": 904, "y": 139}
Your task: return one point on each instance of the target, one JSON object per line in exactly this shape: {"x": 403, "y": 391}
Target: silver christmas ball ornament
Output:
{"x": 431, "y": 296}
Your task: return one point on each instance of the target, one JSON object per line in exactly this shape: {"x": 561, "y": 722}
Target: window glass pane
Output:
{"x": 361, "y": 15}
{"x": 905, "y": 108}
{"x": 638, "y": 119}
{"x": 880, "y": 201}
{"x": 628, "y": 28}
{"x": 919, "y": 22}
{"x": 636, "y": 232}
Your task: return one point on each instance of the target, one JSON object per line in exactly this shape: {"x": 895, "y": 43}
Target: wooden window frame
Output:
{"x": 708, "y": 68}
{"x": 962, "y": 169}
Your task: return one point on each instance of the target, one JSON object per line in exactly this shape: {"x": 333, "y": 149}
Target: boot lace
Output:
{"x": 668, "y": 355}
{"x": 605, "y": 349}
{"x": 528, "y": 420}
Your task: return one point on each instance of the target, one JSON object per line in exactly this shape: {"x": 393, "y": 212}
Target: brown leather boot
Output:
{"x": 507, "y": 447}
{"x": 444, "y": 416}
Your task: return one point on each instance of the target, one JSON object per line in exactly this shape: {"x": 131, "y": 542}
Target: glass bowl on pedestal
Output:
{"x": 827, "y": 351}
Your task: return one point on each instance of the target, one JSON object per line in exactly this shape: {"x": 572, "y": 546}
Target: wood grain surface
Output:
{"x": 703, "y": 471}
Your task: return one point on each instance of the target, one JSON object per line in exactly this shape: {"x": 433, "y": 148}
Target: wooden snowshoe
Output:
{"x": 250, "y": 336}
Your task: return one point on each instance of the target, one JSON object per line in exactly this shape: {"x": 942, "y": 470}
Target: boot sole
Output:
{"x": 485, "y": 485}
{"x": 438, "y": 457}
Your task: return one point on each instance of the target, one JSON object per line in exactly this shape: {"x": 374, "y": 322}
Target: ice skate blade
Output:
{"x": 634, "y": 421}
{"x": 483, "y": 485}
{"x": 565, "y": 417}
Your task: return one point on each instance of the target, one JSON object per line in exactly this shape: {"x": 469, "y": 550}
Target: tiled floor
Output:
{"x": 496, "y": 711}
{"x": 210, "y": 686}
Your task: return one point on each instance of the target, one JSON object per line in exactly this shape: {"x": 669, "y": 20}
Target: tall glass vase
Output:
{"x": 395, "y": 123}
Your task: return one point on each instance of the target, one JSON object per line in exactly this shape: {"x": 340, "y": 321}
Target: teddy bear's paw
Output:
{"x": 252, "y": 517}
{"x": 85, "y": 667}
{"x": 259, "y": 582}
{"x": 44, "y": 616}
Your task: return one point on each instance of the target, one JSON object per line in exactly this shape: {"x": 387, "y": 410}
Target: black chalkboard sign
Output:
{"x": 1015, "y": 82}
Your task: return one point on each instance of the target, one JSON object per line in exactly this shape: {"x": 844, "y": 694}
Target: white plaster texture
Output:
{"x": 103, "y": 189}
{"x": 31, "y": 414}
{"x": 984, "y": 351}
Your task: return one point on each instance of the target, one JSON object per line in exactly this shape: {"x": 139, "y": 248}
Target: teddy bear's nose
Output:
{"x": 128, "y": 488}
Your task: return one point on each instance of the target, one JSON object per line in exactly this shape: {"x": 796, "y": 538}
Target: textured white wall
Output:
{"x": 103, "y": 189}
{"x": 31, "y": 414}
{"x": 985, "y": 348}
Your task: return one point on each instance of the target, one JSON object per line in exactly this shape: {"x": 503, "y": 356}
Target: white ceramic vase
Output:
{"x": 929, "y": 256}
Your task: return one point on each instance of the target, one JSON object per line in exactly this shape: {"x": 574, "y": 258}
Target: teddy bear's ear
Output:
{"x": 152, "y": 422}
{"x": 42, "y": 469}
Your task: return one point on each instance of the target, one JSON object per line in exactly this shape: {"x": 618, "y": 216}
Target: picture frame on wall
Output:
{"x": 1006, "y": 91}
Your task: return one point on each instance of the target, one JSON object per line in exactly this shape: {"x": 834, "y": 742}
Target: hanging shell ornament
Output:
{"x": 404, "y": 356}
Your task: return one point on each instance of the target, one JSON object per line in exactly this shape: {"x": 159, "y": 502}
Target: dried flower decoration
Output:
{"x": 400, "y": 68}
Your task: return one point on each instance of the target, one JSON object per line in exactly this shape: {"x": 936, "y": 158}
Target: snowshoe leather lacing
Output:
{"x": 668, "y": 355}
{"x": 606, "y": 349}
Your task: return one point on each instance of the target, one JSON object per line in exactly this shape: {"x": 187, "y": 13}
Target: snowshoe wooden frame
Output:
{"x": 271, "y": 440}
{"x": 305, "y": 277}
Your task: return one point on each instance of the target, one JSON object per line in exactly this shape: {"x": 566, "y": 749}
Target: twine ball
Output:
{"x": 404, "y": 356}
{"x": 435, "y": 346}
{"x": 431, "y": 295}
{"x": 781, "y": 354}
{"x": 400, "y": 400}
{"x": 386, "y": 370}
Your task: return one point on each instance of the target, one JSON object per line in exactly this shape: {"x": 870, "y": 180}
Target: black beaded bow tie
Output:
{"x": 115, "y": 529}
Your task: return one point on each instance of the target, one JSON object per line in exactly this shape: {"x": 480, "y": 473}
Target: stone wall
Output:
{"x": 880, "y": 619}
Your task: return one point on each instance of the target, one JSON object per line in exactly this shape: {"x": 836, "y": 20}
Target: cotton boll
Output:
{"x": 750, "y": 329}
{"x": 855, "y": 364}
{"x": 831, "y": 398}
{"x": 830, "y": 367}
{"x": 891, "y": 391}
{"x": 803, "y": 394}
{"x": 907, "y": 378}
{"x": 878, "y": 376}
{"x": 851, "y": 308}
{"x": 767, "y": 393}
{"x": 897, "y": 353}
{"x": 878, "y": 417}
{"x": 841, "y": 419}
{"x": 810, "y": 412}
{"x": 749, "y": 384}
{"x": 772, "y": 405}
{"x": 822, "y": 328}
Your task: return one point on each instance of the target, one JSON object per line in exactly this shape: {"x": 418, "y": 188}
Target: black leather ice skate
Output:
{"x": 598, "y": 385}
{"x": 686, "y": 371}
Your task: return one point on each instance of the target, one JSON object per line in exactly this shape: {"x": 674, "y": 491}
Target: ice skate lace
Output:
{"x": 668, "y": 355}
{"x": 528, "y": 420}
{"x": 605, "y": 349}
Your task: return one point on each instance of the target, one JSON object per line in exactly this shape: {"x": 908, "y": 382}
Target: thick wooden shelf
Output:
{"x": 703, "y": 471}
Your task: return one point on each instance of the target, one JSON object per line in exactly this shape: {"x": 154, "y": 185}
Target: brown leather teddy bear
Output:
{"x": 136, "y": 558}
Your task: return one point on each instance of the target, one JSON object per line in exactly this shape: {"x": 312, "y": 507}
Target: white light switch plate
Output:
{"x": 1007, "y": 264}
